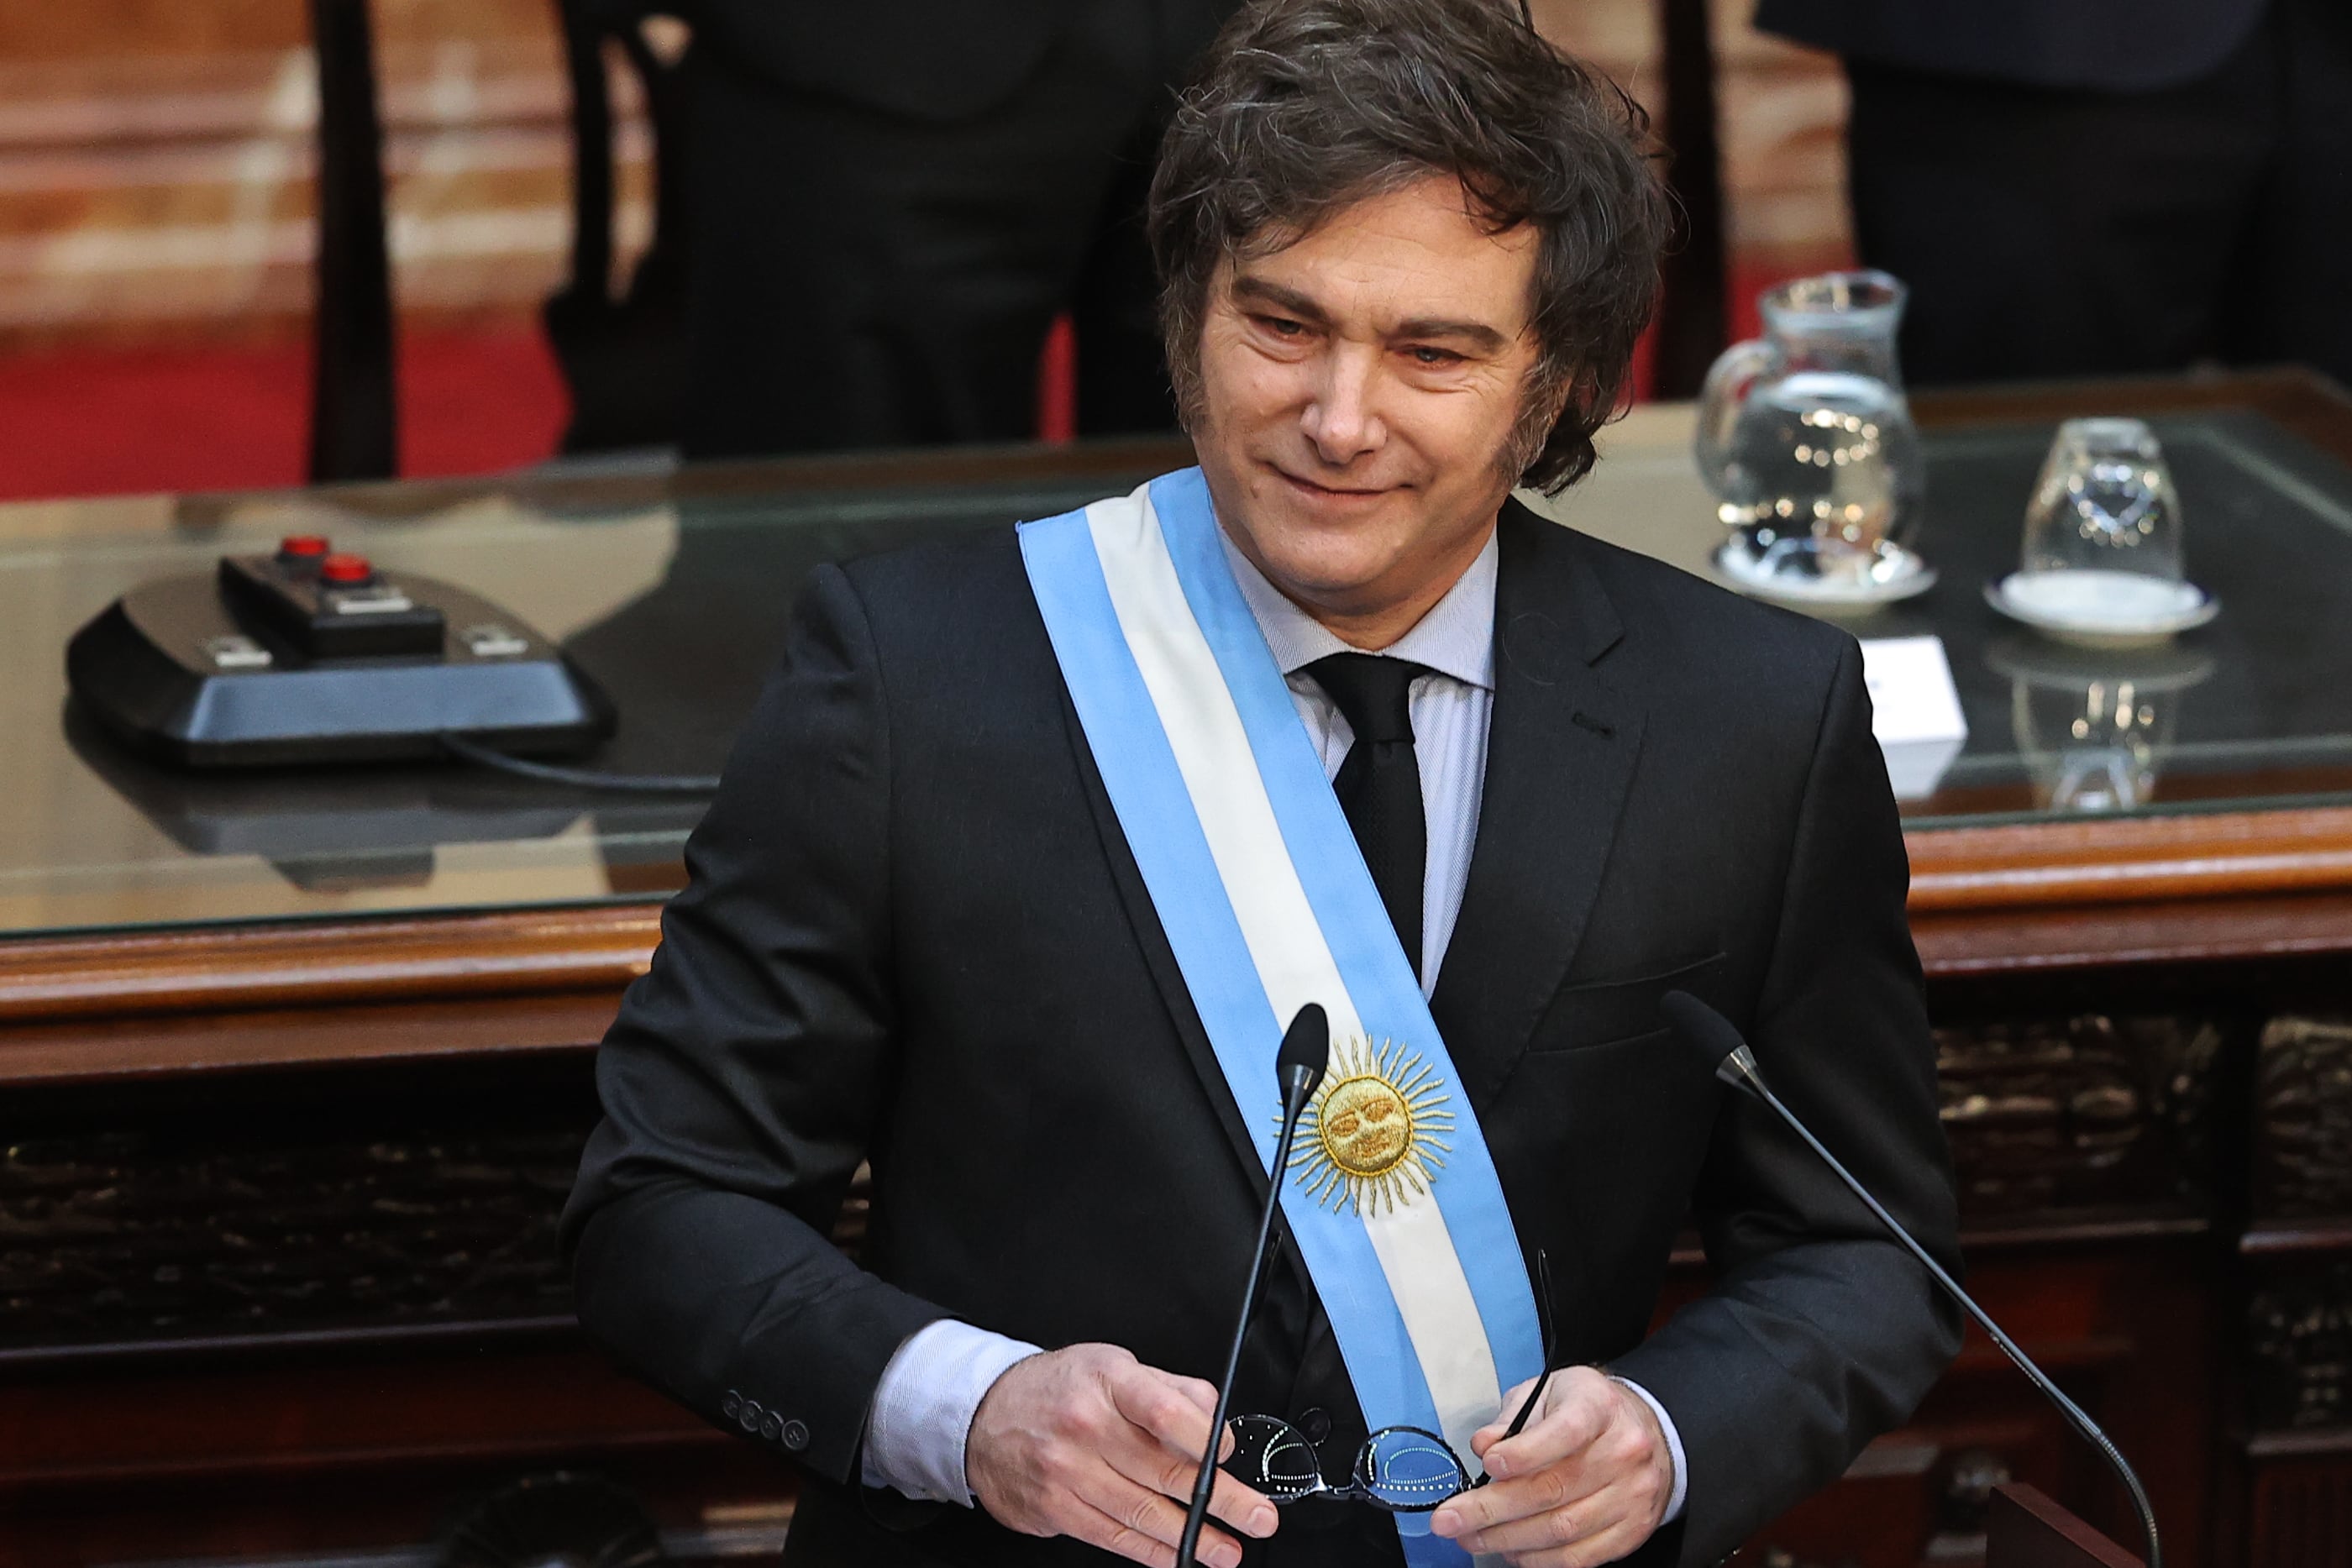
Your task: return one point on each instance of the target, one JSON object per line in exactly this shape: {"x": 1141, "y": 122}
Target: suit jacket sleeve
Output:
{"x": 1820, "y": 1332}
{"x": 745, "y": 1074}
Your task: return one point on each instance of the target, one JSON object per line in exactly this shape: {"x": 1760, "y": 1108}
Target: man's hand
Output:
{"x": 1090, "y": 1442}
{"x": 1586, "y": 1482}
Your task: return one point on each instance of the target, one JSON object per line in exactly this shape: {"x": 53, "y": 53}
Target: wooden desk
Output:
{"x": 289, "y": 1120}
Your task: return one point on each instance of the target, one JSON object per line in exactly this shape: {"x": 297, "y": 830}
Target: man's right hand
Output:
{"x": 1091, "y": 1443}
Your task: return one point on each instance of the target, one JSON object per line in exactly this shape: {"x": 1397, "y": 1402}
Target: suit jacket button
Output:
{"x": 749, "y": 1416}
{"x": 772, "y": 1428}
{"x": 730, "y": 1406}
{"x": 795, "y": 1436}
{"x": 1315, "y": 1423}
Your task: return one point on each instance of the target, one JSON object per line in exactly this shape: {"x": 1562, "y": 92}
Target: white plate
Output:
{"x": 2102, "y": 609}
{"x": 1735, "y": 568}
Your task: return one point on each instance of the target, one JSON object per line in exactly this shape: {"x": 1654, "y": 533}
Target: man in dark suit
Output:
{"x": 2079, "y": 187}
{"x": 890, "y": 201}
{"x": 1407, "y": 250}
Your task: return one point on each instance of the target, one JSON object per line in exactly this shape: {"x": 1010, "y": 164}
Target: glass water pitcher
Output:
{"x": 1806, "y": 439}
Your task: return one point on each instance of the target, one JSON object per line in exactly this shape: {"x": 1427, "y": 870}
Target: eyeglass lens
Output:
{"x": 1407, "y": 1471}
{"x": 1273, "y": 1458}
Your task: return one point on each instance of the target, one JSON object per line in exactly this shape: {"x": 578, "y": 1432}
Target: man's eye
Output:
{"x": 1281, "y": 326}
{"x": 1425, "y": 355}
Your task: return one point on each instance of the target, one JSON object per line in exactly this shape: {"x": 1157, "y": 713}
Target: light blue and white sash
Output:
{"x": 1268, "y": 906}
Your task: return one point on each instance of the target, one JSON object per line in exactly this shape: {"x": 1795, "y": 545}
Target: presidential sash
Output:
{"x": 1267, "y": 901}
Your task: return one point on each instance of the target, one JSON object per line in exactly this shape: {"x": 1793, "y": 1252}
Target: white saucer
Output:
{"x": 2102, "y": 609}
{"x": 1738, "y": 570}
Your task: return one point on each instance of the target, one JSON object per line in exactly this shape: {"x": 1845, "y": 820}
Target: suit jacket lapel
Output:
{"x": 1152, "y": 938}
{"x": 1560, "y": 752}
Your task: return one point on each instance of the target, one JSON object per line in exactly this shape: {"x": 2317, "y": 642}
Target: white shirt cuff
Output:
{"x": 1674, "y": 1445}
{"x": 923, "y": 1409}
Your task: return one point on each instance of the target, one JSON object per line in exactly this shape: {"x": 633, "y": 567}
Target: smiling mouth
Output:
{"x": 1336, "y": 492}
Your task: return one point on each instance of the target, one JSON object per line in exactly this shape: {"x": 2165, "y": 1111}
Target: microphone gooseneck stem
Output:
{"x": 2074, "y": 1414}
{"x": 1294, "y": 1103}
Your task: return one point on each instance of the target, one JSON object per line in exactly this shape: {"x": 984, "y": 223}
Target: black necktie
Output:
{"x": 1379, "y": 785}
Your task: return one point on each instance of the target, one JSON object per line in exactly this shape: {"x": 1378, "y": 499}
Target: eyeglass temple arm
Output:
{"x": 1551, "y": 1347}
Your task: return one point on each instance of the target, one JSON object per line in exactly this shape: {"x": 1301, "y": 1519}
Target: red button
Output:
{"x": 302, "y": 547}
{"x": 345, "y": 569}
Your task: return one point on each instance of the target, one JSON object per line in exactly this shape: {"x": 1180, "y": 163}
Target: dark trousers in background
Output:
{"x": 861, "y": 278}
{"x": 2059, "y": 233}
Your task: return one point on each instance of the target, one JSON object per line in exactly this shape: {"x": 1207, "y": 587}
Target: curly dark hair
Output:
{"x": 1303, "y": 108}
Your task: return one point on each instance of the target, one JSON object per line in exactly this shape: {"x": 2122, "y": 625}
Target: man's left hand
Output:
{"x": 1586, "y": 1482}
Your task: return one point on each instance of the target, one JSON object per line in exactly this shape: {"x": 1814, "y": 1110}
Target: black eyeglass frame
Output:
{"x": 1359, "y": 1487}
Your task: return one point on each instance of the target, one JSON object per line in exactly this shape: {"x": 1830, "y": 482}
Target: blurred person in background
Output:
{"x": 945, "y": 176}
{"x": 2087, "y": 187}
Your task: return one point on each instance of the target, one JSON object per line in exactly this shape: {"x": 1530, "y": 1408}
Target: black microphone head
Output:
{"x": 1712, "y": 1039}
{"x": 1306, "y": 1047}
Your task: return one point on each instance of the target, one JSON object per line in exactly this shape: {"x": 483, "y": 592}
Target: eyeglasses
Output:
{"x": 1402, "y": 1469}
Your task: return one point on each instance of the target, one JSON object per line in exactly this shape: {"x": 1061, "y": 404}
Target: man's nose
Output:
{"x": 1342, "y": 421}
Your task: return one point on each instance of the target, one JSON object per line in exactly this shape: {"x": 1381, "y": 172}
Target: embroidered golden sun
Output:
{"x": 1369, "y": 1138}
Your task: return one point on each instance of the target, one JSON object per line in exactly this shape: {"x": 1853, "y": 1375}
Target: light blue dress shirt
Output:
{"x": 923, "y": 1407}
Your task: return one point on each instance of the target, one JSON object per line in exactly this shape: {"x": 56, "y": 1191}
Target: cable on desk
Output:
{"x": 457, "y": 745}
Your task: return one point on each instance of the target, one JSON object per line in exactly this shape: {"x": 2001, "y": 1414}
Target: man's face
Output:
{"x": 1359, "y": 390}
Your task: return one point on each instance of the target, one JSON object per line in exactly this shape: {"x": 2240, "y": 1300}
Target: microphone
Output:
{"x": 1298, "y": 1068}
{"x": 1711, "y": 1035}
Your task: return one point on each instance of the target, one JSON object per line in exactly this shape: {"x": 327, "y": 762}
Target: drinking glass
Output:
{"x": 2105, "y": 505}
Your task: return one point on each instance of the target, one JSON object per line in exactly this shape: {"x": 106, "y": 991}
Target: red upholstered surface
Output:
{"x": 92, "y": 422}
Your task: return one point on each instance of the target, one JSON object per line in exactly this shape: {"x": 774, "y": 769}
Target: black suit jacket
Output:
{"x": 2119, "y": 46}
{"x": 915, "y": 934}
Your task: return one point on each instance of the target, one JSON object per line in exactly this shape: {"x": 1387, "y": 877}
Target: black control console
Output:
{"x": 313, "y": 655}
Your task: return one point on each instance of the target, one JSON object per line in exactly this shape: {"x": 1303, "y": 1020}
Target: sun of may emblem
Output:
{"x": 1369, "y": 1138}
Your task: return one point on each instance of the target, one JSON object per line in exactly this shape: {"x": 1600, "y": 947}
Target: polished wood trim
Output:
{"x": 206, "y": 968}
{"x": 1991, "y": 941}
{"x": 2132, "y": 859}
{"x": 2033, "y": 897}
{"x": 135, "y": 1045}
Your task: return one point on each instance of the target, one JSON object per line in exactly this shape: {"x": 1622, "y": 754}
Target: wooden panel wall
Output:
{"x": 156, "y": 161}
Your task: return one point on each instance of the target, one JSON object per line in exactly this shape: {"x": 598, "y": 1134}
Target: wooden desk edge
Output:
{"x": 1985, "y": 900}
{"x": 2040, "y": 865}
{"x": 597, "y": 947}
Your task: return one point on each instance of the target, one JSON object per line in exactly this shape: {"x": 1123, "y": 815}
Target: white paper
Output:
{"x": 1915, "y": 711}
